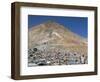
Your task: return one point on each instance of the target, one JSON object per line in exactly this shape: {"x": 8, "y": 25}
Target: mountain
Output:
{"x": 52, "y": 36}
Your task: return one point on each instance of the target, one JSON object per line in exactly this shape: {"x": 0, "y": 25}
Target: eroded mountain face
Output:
{"x": 52, "y": 44}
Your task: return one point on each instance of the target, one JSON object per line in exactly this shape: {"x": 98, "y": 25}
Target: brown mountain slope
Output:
{"x": 54, "y": 34}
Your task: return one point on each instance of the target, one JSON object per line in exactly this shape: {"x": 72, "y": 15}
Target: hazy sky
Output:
{"x": 78, "y": 25}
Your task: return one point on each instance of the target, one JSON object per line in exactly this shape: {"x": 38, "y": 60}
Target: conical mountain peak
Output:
{"x": 53, "y": 32}
{"x": 51, "y": 23}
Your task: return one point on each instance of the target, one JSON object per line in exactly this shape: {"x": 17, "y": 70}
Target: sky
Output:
{"x": 78, "y": 25}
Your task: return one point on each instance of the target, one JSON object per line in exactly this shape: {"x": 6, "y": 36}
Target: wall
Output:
{"x": 5, "y": 38}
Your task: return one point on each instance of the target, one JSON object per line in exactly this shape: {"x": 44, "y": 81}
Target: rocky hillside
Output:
{"x": 53, "y": 43}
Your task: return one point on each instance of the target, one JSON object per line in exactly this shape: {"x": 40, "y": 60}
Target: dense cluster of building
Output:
{"x": 54, "y": 56}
